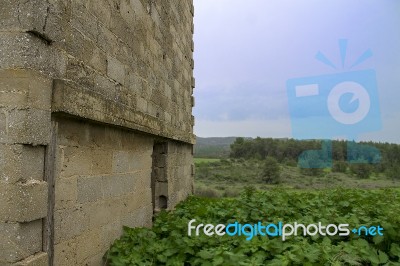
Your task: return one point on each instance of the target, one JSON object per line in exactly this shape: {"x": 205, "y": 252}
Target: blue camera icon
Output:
{"x": 328, "y": 106}
{"x": 341, "y": 105}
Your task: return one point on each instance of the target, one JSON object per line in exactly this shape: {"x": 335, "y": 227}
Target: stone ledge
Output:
{"x": 71, "y": 99}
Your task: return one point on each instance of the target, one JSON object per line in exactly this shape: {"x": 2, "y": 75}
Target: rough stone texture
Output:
{"x": 21, "y": 163}
{"x": 102, "y": 183}
{"x": 19, "y": 240}
{"x": 38, "y": 259}
{"x": 25, "y": 107}
{"x": 114, "y": 54}
{"x": 116, "y": 78}
{"x": 179, "y": 163}
{"x": 25, "y": 111}
{"x": 23, "y": 202}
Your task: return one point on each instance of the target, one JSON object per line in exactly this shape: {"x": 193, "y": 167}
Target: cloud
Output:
{"x": 245, "y": 51}
{"x": 278, "y": 128}
{"x": 246, "y": 101}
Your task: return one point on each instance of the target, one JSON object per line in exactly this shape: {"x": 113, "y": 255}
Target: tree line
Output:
{"x": 364, "y": 156}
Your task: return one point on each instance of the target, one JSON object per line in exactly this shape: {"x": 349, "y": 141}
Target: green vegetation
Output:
{"x": 213, "y": 147}
{"x": 227, "y": 177}
{"x": 251, "y": 180}
{"x": 205, "y": 160}
{"x": 364, "y": 153}
{"x": 168, "y": 243}
{"x": 271, "y": 171}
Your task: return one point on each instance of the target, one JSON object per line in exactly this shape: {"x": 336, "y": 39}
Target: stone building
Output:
{"x": 96, "y": 125}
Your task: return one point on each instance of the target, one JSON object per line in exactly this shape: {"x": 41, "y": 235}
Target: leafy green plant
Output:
{"x": 168, "y": 243}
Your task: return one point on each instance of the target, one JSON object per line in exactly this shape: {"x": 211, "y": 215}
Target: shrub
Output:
{"x": 206, "y": 192}
{"x": 271, "y": 171}
{"x": 339, "y": 166}
{"x": 361, "y": 170}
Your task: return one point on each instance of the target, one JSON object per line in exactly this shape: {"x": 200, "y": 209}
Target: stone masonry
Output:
{"x": 96, "y": 125}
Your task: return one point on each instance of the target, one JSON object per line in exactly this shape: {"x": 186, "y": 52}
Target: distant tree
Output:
{"x": 393, "y": 172}
{"x": 380, "y": 156}
{"x": 361, "y": 170}
{"x": 241, "y": 148}
{"x": 339, "y": 166}
{"x": 271, "y": 171}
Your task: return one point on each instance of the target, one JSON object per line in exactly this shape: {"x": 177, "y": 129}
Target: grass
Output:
{"x": 227, "y": 178}
{"x": 205, "y": 160}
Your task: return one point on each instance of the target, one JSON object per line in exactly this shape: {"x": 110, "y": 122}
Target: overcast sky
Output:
{"x": 245, "y": 51}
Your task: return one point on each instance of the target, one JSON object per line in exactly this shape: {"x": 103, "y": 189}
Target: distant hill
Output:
{"x": 215, "y": 141}
{"x": 214, "y": 147}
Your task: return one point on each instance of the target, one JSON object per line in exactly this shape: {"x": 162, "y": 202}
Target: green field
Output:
{"x": 227, "y": 177}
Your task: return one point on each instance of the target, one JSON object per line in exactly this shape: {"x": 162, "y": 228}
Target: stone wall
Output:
{"x": 25, "y": 113}
{"x": 96, "y": 125}
{"x": 102, "y": 182}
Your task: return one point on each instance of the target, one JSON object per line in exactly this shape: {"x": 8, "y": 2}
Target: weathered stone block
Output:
{"x": 89, "y": 189}
{"x": 101, "y": 10}
{"x": 83, "y": 20}
{"x": 76, "y": 161}
{"x": 102, "y": 162}
{"x": 33, "y": 18}
{"x": 19, "y": 239}
{"x": 115, "y": 186}
{"x": 109, "y": 233}
{"x": 66, "y": 192}
{"x": 23, "y": 202}
{"x": 105, "y": 86}
{"x": 95, "y": 260}
{"x": 141, "y": 104}
{"x": 24, "y": 50}
{"x": 106, "y": 40}
{"x": 76, "y": 70}
{"x": 65, "y": 253}
{"x": 160, "y": 160}
{"x": 162, "y": 188}
{"x": 121, "y": 161}
{"x": 160, "y": 174}
{"x": 20, "y": 163}
{"x": 89, "y": 244}
{"x": 116, "y": 70}
{"x": 3, "y": 125}
{"x": 138, "y": 8}
{"x": 192, "y": 101}
{"x": 29, "y": 126}
{"x": 101, "y": 213}
{"x": 39, "y": 259}
{"x": 98, "y": 61}
{"x": 139, "y": 218}
{"x": 69, "y": 223}
{"x": 136, "y": 199}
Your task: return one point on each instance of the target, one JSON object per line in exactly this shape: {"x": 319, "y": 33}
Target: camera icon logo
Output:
{"x": 359, "y": 93}
{"x": 340, "y": 105}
